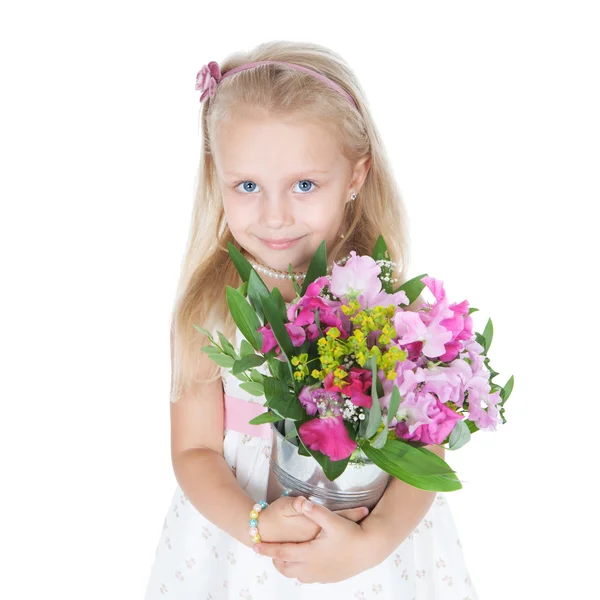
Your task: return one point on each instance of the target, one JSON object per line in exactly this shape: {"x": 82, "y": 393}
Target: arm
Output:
{"x": 396, "y": 515}
{"x": 197, "y": 457}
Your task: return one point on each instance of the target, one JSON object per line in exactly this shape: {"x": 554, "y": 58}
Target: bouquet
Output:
{"x": 353, "y": 373}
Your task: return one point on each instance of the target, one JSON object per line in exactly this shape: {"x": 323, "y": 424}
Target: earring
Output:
{"x": 342, "y": 235}
{"x": 353, "y": 197}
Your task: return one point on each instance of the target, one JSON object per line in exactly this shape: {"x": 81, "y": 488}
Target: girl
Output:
{"x": 291, "y": 157}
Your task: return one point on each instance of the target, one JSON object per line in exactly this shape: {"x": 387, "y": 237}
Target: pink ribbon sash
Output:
{"x": 239, "y": 411}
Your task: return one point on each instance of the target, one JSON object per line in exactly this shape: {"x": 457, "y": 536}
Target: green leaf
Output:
{"x": 279, "y": 303}
{"x": 244, "y": 316}
{"x": 317, "y": 267}
{"x": 381, "y": 439}
{"x": 394, "y": 404}
{"x": 246, "y": 363}
{"x": 246, "y": 348}
{"x": 471, "y": 425}
{"x": 280, "y": 399}
{"x": 293, "y": 432}
{"x": 240, "y": 262}
{"x": 252, "y": 387}
{"x": 205, "y": 333}
{"x": 227, "y": 346}
{"x": 375, "y": 411}
{"x": 507, "y": 390}
{"x": 413, "y": 287}
{"x": 488, "y": 333}
{"x": 388, "y": 460}
{"x": 257, "y": 291}
{"x": 279, "y": 331}
{"x": 297, "y": 288}
{"x": 380, "y": 252}
{"x": 279, "y": 369}
{"x": 472, "y": 310}
{"x": 243, "y": 289}
{"x": 267, "y": 417}
{"x": 332, "y": 468}
{"x": 459, "y": 435}
{"x": 223, "y": 360}
{"x": 212, "y": 350}
{"x": 257, "y": 376}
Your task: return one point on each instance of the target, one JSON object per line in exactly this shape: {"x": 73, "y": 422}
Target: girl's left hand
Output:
{"x": 341, "y": 549}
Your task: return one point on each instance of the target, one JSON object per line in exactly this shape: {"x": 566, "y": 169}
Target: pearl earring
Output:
{"x": 353, "y": 197}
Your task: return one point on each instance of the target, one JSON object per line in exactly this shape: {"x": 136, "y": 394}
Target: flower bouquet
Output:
{"x": 355, "y": 379}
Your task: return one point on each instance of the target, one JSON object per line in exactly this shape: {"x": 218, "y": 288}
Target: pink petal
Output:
{"x": 329, "y": 436}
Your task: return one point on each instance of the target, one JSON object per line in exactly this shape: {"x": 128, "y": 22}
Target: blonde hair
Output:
{"x": 206, "y": 268}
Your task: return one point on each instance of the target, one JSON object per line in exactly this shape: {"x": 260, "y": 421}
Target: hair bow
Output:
{"x": 207, "y": 78}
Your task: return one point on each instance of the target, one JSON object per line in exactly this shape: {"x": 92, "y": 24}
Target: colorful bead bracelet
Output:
{"x": 253, "y": 522}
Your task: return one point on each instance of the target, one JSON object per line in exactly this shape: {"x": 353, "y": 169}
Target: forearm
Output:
{"x": 396, "y": 515}
{"x": 210, "y": 485}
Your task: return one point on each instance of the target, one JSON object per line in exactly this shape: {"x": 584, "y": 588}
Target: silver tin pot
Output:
{"x": 361, "y": 484}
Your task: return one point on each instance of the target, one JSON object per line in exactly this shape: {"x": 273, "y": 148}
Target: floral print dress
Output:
{"x": 195, "y": 560}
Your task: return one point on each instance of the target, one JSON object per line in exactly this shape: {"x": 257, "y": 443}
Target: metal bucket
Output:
{"x": 361, "y": 484}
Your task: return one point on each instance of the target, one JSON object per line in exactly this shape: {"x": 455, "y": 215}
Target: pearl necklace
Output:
{"x": 284, "y": 275}
{"x": 301, "y": 276}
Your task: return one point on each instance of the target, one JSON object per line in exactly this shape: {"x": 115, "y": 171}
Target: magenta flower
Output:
{"x": 207, "y": 79}
{"x": 454, "y": 318}
{"x": 329, "y": 436}
{"x": 297, "y": 334}
{"x": 440, "y": 422}
{"x": 307, "y": 400}
{"x": 359, "y": 381}
{"x": 269, "y": 341}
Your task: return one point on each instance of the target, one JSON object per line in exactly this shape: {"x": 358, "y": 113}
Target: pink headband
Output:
{"x": 210, "y": 75}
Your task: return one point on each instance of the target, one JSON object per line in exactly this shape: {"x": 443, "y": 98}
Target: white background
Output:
{"x": 489, "y": 111}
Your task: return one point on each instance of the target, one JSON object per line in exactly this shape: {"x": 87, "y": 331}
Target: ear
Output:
{"x": 359, "y": 173}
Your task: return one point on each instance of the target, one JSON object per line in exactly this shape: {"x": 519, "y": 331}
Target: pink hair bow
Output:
{"x": 207, "y": 78}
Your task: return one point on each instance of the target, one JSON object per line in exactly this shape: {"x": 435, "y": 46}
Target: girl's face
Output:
{"x": 284, "y": 182}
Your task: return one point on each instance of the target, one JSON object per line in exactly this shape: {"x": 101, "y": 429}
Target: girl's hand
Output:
{"x": 281, "y": 522}
{"x": 342, "y": 548}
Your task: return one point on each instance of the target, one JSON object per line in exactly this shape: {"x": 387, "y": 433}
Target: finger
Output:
{"x": 320, "y": 515}
{"x": 292, "y": 570}
{"x": 290, "y": 552}
{"x": 353, "y": 514}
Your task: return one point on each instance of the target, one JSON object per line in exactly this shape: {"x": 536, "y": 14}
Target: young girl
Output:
{"x": 291, "y": 157}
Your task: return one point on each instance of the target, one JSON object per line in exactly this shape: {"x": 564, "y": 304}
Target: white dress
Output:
{"x": 195, "y": 560}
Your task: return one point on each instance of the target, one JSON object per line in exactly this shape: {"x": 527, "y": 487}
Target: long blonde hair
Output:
{"x": 206, "y": 268}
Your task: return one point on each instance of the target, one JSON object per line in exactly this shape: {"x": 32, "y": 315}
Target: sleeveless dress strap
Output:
{"x": 239, "y": 411}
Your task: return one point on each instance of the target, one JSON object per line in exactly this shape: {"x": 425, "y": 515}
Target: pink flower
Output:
{"x": 307, "y": 400}
{"x": 207, "y": 79}
{"x": 359, "y": 275}
{"x": 329, "y": 436}
{"x": 297, "y": 334}
{"x": 440, "y": 422}
{"x": 454, "y": 318}
{"x": 410, "y": 327}
{"x": 359, "y": 381}
{"x": 269, "y": 341}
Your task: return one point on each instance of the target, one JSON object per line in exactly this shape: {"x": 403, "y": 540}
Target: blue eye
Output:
{"x": 250, "y": 186}
{"x": 307, "y": 181}
{"x": 245, "y": 188}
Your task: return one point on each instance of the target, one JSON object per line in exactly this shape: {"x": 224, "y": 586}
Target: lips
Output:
{"x": 281, "y": 241}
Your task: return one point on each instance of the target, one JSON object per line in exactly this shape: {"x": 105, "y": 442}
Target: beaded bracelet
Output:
{"x": 253, "y": 522}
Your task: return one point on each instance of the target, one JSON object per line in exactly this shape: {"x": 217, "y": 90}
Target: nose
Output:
{"x": 276, "y": 211}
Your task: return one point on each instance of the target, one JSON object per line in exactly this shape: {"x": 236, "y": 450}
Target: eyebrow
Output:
{"x": 306, "y": 172}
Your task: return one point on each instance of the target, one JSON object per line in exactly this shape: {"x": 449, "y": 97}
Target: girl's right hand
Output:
{"x": 280, "y": 522}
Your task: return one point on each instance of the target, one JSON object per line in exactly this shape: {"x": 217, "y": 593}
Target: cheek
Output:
{"x": 237, "y": 220}
{"x": 323, "y": 219}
